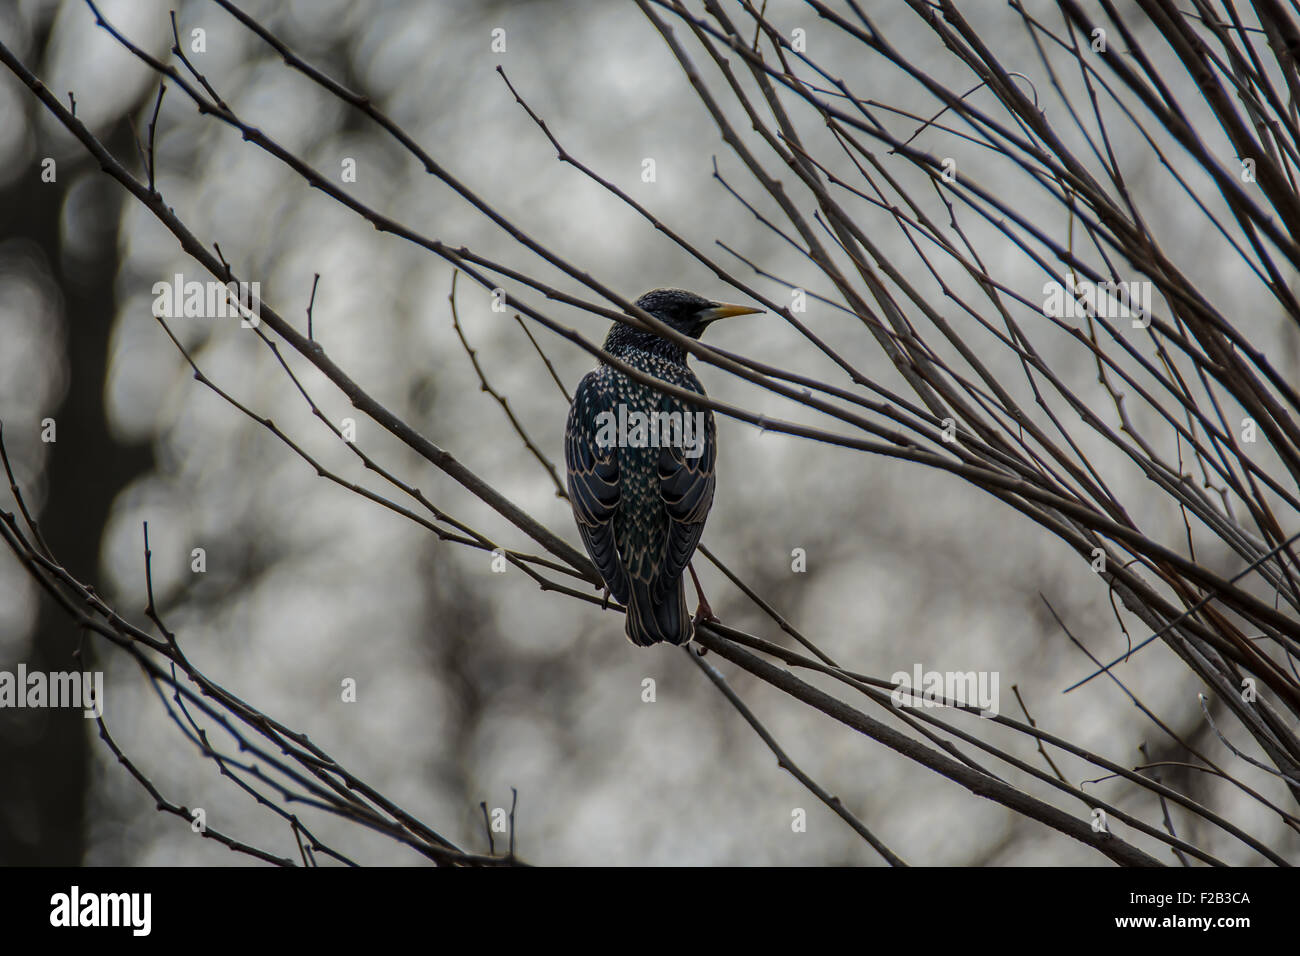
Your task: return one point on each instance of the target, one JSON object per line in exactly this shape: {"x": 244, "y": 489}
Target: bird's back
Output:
{"x": 642, "y": 523}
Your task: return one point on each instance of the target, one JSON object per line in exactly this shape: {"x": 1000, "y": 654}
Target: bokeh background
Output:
{"x": 470, "y": 683}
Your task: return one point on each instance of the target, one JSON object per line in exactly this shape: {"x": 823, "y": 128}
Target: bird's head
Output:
{"x": 687, "y": 312}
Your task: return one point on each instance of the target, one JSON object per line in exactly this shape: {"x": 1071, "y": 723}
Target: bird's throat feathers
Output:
{"x": 623, "y": 340}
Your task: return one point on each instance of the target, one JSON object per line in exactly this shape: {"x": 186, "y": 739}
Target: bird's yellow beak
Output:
{"x": 723, "y": 310}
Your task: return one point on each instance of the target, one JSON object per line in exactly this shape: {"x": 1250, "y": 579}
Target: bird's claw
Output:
{"x": 704, "y": 614}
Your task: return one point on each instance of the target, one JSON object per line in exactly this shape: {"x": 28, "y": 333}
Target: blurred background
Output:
{"x": 471, "y": 683}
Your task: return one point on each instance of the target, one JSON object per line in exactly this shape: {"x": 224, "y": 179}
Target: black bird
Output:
{"x": 641, "y": 467}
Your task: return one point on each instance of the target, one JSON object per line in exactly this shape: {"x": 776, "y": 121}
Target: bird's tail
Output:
{"x": 652, "y": 622}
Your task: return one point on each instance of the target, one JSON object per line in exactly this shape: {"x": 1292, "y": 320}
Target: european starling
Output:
{"x": 641, "y": 467}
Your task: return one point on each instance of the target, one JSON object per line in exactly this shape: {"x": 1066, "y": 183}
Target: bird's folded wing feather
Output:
{"x": 593, "y": 480}
{"x": 686, "y": 486}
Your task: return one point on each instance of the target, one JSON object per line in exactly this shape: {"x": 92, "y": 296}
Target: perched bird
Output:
{"x": 641, "y": 467}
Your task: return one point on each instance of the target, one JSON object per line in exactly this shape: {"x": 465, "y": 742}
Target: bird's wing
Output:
{"x": 593, "y": 480}
{"x": 686, "y": 486}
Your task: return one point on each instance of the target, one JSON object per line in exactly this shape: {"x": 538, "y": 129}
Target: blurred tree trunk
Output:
{"x": 43, "y": 808}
